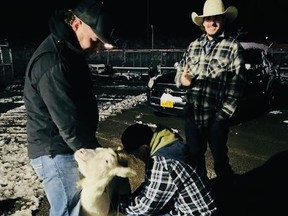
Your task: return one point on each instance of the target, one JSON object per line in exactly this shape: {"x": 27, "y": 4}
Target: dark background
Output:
{"x": 26, "y": 21}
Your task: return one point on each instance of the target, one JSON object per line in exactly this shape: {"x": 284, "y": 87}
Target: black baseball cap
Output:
{"x": 98, "y": 16}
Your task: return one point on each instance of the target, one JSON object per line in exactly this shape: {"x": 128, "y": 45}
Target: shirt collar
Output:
{"x": 206, "y": 40}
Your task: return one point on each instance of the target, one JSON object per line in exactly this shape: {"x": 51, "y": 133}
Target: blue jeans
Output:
{"x": 59, "y": 175}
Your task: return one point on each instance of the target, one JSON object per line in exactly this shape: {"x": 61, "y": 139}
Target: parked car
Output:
{"x": 263, "y": 82}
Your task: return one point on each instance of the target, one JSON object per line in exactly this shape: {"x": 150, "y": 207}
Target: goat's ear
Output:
{"x": 124, "y": 172}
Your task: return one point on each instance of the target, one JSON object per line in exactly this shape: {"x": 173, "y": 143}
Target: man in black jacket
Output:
{"x": 62, "y": 111}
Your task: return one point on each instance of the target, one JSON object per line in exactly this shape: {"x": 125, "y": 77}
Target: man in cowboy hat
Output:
{"x": 213, "y": 68}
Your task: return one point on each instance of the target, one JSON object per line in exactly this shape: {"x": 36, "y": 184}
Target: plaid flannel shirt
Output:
{"x": 218, "y": 78}
{"x": 167, "y": 182}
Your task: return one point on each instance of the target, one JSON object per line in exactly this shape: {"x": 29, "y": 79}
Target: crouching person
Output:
{"x": 171, "y": 185}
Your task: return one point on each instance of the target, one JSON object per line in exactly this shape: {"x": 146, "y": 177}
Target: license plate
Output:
{"x": 168, "y": 104}
{"x": 166, "y": 100}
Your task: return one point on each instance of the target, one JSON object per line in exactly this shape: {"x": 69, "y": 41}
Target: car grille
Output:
{"x": 157, "y": 91}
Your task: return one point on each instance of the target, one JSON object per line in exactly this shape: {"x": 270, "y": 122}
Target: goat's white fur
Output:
{"x": 98, "y": 166}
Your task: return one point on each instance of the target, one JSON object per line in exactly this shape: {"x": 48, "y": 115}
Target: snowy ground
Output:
{"x": 18, "y": 181}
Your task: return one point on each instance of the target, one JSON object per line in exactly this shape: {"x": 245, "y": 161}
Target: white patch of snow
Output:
{"x": 275, "y": 112}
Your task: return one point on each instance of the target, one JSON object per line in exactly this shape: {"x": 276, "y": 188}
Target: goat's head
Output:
{"x": 99, "y": 162}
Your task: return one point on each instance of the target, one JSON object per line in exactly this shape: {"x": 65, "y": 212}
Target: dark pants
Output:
{"x": 216, "y": 136}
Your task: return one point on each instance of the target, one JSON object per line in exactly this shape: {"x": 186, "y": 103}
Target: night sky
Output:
{"x": 28, "y": 20}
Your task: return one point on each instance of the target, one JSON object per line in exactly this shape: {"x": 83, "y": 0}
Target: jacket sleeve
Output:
{"x": 150, "y": 197}
{"x": 58, "y": 95}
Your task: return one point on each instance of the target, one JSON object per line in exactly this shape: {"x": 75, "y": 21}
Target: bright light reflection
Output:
{"x": 108, "y": 46}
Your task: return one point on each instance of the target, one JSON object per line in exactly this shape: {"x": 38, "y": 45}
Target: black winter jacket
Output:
{"x": 62, "y": 111}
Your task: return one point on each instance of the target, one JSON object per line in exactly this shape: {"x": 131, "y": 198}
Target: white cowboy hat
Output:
{"x": 214, "y": 8}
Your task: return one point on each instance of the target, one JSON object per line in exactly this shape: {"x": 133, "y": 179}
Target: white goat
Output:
{"x": 98, "y": 166}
